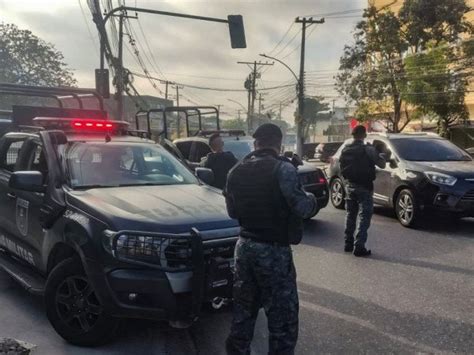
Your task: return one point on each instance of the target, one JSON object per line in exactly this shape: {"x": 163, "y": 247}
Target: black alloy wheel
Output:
{"x": 73, "y": 307}
{"x": 77, "y": 304}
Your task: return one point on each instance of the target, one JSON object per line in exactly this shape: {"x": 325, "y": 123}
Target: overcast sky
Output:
{"x": 199, "y": 53}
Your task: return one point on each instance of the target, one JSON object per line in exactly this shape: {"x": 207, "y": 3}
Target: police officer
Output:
{"x": 264, "y": 194}
{"x": 357, "y": 162}
{"x": 218, "y": 161}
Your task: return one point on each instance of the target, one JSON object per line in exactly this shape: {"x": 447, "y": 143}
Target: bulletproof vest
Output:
{"x": 220, "y": 164}
{"x": 260, "y": 206}
{"x": 356, "y": 166}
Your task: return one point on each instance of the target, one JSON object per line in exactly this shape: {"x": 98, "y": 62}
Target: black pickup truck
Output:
{"x": 107, "y": 225}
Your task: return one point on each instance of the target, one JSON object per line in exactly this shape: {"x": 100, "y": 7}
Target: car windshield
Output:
{"x": 94, "y": 164}
{"x": 425, "y": 149}
{"x": 240, "y": 148}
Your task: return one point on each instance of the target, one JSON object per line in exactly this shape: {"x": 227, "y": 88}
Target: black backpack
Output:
{"x": 356, "y": 166}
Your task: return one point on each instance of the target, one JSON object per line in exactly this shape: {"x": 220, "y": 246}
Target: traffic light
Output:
{"x": 237, "y": 31}
{"x": 102, "y": 82}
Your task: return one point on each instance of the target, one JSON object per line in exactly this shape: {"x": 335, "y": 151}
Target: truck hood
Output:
{"x": 167, "y": 209}
{"x": 458, "y": 169}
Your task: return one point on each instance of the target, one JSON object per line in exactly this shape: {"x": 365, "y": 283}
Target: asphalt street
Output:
{"x": 413, "y": 295}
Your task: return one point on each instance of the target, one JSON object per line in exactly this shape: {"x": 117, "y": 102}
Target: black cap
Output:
{"x": 359, "y": 130}
{"x": 268, "y": 130}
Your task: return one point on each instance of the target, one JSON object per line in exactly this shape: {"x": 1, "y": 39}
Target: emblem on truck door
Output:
{"x": 22, "y": 216}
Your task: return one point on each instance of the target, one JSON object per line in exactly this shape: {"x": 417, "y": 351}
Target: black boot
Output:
{"x": 362, "y": 252}
{"x": 348, "y": 247}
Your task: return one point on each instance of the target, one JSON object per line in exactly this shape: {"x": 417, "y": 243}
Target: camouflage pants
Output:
{"x": 265, "y": 277}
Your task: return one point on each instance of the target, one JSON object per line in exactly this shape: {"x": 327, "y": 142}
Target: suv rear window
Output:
{"x": 426, "y": 149}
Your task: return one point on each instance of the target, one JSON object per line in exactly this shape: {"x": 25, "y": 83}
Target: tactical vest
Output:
{"x": 260, "y": 206}
{"x": 220, "y": 164}
{"x": 356, "y": 166}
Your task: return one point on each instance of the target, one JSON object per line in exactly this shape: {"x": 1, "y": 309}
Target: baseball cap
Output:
{"x": 268, "y": 130}
{"x": 359, "y": 130}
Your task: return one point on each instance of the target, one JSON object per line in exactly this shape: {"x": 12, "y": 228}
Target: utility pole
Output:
{"x": 306, "y": 22}
{"x": 120, "y": 73}
{"x": 251, "y": 86}
{"x": 166, "y": 90}
{"x": 260, "y": 106}
{"x": 238, "y": 114}
{"x": 279, "y": 112}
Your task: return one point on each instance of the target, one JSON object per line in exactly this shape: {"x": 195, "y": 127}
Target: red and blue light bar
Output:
{"x": 81, "y": 124}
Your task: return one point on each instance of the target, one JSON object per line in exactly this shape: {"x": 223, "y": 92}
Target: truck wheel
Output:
{"x": 407, "y": 209}
{"x": 338, "y": 194}
{"x": 72, "y": 306}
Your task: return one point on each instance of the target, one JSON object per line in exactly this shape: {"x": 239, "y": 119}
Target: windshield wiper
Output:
{"x": 142, "y": 184}
{"x": 92, "y": 186}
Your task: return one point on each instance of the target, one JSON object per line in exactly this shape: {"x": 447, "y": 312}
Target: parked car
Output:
{"x": 426, "y": 173}
{"x": 193, "y": 149}
{"x": 324, "y": 151}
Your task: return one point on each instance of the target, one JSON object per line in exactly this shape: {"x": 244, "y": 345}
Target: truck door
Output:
{"x": 29, "y": 204}
{"x": 10, "y": 147}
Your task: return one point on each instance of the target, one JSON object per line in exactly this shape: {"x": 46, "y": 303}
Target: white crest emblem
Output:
{"x": 22, "y": 216}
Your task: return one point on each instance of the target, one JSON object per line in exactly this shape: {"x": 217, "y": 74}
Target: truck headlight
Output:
{"x": 148, "y": 249}
{"x": 440, "y": 178}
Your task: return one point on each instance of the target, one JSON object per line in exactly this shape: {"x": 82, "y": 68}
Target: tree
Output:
{"x": 234, "y": 123}
{"x": 312, "y": 107}
{"x": 372, "y": 70}
{"x": 27, "y": 59}
{"x": 436, "y": 87}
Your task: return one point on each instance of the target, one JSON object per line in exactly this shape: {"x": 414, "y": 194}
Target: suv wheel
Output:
{"x": 338, "y": 194}
{"x": 73, "y": 308}
{"x": 406, "y": 207}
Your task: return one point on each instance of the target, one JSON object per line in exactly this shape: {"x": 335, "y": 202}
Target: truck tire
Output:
{"x": 73, "y": 308}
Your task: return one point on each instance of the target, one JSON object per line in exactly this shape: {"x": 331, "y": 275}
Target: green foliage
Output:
{"x": 234, "y": 124}
{"x": 373, "y": 73}
{"x": 27, "y": 59}
{"x": 428, "y": 21}
{"x": 437, "y": 88}
{"x": 312, "y": 108}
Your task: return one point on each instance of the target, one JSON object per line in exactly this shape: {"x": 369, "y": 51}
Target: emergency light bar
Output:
{"x": 81, "y": 124}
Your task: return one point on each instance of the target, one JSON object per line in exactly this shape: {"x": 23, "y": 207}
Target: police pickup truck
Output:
{"x": 108, "y": 225}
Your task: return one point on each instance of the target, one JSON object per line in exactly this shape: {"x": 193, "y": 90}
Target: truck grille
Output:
{"x": 469, "y": 196}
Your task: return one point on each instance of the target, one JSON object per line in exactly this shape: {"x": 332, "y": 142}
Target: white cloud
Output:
{"x": 187, "y": 50}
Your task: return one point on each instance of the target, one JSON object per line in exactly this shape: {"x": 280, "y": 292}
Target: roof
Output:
{"x": 406, "y": 135}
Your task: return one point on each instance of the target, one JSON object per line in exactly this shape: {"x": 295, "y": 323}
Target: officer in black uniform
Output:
{"x": 219, "y": 161}
{"x": 264, "y": 194}
{"x": 358, "y": 161}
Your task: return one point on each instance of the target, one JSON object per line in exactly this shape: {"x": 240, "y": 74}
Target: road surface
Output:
{"x": 414, "y": 295}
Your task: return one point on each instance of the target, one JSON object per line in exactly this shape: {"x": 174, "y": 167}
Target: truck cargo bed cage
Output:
{"x": 189, "y": 112}
{"x": 57, "y": 93}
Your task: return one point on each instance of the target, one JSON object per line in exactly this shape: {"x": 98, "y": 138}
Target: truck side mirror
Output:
{"x": 205, "y": 175}
{"x": 31, "y": 181}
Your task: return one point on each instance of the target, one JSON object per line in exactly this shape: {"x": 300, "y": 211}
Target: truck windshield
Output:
{"x": 94, "y": 164}
{"x": 426, "y": 149}
{"x": 240, "y": 148}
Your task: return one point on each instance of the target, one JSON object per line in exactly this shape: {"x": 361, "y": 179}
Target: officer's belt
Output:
{"x": 258, "y": 240}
